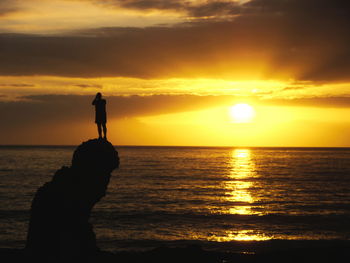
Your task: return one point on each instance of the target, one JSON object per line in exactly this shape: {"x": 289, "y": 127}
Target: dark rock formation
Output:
{"x": 59, "y": 225}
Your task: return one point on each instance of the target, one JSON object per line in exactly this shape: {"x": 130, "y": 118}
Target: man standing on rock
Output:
{"x": 100, "y": 116}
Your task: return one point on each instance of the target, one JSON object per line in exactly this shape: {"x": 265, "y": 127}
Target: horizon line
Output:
{"x": 180, "y": 146}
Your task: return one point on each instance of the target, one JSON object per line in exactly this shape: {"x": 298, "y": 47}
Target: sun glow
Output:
{"x": 242, "y": 113}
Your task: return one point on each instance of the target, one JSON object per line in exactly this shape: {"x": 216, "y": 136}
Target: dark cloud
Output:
{"x": 314, "y": 35}
{"x": 307, "y": 8}
{"x": 85, "y": 86}
{"x": 149, "y": 4}
{"x": 17, "y": 85}
{"x": 52, "y": 118}
{"x": 8, "y": 6}
{"x": 272, "y": 39}
{"x": 38, "y": 109}
{"x": 320, "y": 102}
{"x": 51, "y": 109}
{"x": 193, "y": 9}
{"x": 215, "y": 8}
{"x": 293, "y": 88}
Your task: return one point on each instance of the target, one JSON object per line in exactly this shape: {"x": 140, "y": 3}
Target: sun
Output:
{"x": 242, "y": 113}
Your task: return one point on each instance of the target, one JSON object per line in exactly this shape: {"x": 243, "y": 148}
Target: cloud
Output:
{"x": 50, "y": 119}
{"x": 17, "y": 85}
{"x": 319, "y": 102}
{"x": 39, "y": 109}
{"x": 8, "y": 6}
{"x": 270, "y": 39}
{"x": 191, "y": 8}
{"x": 149, "y": 4}
{"x": 86, "y": 86}
{"x": 54, "y": 119}
{"x": 316, "y": 35}
{"x": 55, "y": 109}
{"x": 215, "y": 8}
{"x": 295, "y": 88}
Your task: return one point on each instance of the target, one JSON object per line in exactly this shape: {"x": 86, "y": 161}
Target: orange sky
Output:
{"x": 172, "y": 70}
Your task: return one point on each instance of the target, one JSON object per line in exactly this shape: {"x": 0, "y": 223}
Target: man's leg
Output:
{"x": 104, "y": 130}
{"x": 99, "y": 130}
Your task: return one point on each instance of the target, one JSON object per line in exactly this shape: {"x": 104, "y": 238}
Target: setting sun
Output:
{"x": 242, "y": 113}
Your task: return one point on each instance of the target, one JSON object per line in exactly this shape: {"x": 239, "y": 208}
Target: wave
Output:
{"x": 190, "y": 216}
{"x": 227, "y": 246}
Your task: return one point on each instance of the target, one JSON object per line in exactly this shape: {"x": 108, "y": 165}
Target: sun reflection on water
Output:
{"x": 242, "y": 235}
{"x": 238, "y": 193}
{"x": 237, "y": 188}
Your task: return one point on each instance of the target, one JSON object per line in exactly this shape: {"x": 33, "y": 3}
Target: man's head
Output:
{"x": 98, "y": 95}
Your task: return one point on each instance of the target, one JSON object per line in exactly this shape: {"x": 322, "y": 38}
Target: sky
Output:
{"x": 172, "y": 71}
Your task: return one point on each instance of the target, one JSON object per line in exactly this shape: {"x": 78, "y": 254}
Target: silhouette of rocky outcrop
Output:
{"x": 59, "y": 225}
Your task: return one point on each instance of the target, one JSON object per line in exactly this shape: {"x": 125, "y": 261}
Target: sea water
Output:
{"x": 161, "y": 195}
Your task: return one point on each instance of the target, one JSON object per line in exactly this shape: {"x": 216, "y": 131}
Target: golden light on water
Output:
{"x": 238, "y": 192}
{"x": 247, "y": 235}
{"x": 242, "y": 235}
{"x": 237, "y": 187}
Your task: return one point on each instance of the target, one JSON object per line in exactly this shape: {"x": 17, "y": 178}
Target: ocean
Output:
{"x": 184, "y": 195}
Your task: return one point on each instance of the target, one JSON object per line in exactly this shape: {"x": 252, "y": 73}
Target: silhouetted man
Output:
{"x": 100, "y": 116}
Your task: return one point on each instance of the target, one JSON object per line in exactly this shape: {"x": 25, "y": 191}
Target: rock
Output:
{"x": 59, "y": 225}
